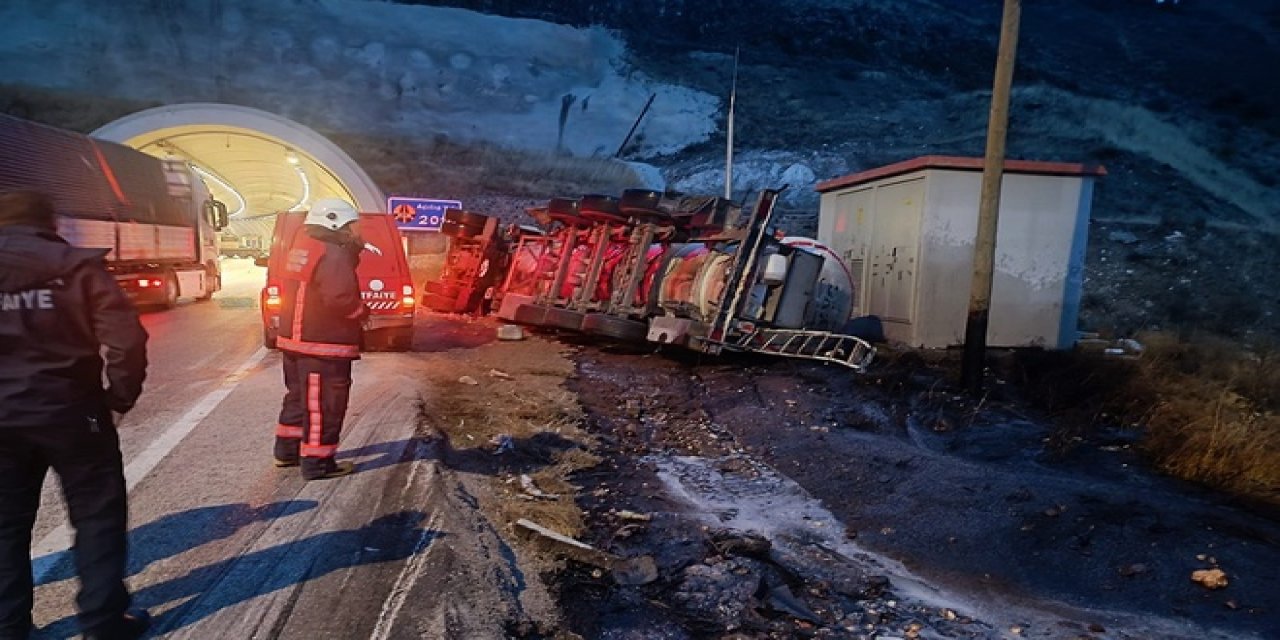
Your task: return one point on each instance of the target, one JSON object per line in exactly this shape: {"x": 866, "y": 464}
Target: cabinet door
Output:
{"x": 849, "y": 236}
{"x": 894, "y": 248}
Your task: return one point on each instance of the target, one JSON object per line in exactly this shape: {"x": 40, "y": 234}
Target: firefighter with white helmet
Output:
{"x": 331, "y": 213}
{"x": 321, "y": 318}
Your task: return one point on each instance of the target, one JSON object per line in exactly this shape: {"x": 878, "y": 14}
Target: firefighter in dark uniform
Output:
{"x": 64, "y": 323}
{"x": 321, "y": 317}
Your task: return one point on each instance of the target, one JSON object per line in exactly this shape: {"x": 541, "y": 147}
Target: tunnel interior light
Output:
{"x": 306, "y": 190}
{"x": 223, "y": 183}
{"x": 291, "y": 157}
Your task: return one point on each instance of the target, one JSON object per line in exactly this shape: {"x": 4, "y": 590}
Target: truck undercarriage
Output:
{"x": 690, "y": 271}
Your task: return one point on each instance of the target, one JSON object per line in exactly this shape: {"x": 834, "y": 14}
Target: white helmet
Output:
{"x": 331, "y": 213}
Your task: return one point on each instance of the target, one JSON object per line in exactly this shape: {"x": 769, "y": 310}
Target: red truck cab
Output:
{"x": 385, "y": 281}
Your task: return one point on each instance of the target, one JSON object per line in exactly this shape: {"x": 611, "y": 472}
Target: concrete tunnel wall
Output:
{"x": 367, "y": 195}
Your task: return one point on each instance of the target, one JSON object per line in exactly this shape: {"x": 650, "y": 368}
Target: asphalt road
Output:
{"x": 224, "y": 545}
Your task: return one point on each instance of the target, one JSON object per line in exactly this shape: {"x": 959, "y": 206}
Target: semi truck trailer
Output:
{"x": 155, "y": 217}
{"x": 685, "y": 270}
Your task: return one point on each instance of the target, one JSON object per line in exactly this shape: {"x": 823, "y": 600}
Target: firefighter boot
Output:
{"x": 322, "y": 468}
{"x": 285, "y": 453}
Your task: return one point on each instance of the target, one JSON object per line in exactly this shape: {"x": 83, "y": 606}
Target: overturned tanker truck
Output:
{"x": 659, "y": 267}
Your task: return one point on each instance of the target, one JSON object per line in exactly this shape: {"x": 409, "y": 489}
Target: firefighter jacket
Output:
{"x": 63, "y": 321}
{"x": 321, "y": 311}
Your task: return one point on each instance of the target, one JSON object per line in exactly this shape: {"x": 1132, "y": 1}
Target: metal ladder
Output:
{"x": 849, "y": 351}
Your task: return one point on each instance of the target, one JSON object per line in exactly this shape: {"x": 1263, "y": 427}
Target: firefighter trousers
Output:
{"x": 87, "y": 459}
{"x": 315, "y": 404}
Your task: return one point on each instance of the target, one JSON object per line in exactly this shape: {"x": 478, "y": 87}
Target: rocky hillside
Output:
{"x": 1139, "y": 86}
{"x": 1178, "y": 101}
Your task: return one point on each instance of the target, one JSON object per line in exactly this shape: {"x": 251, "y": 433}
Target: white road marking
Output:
{"x": 59, "y": 539}
{"x": 410, "y": 573}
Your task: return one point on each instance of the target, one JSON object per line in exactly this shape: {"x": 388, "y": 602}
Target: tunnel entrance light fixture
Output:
{"x": 291, "y": 157}
{"x": 222, "y": 183}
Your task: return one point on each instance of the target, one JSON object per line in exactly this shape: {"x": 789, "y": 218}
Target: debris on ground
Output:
{"x": 510, "y": 332}
{"x": 734, "y": 443}
{"x": 532, "y": 490}
{"x": 625, "y": 571}
{"x": 502, "y": 443}
{"x": 1210, "y": 578}
{"x": 654, "y": 550}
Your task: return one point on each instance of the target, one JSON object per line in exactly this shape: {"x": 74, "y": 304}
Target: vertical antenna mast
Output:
{"x": 728, "y": 151}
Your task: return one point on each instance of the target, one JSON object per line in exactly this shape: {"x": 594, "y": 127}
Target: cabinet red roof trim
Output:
{"x": 961, "y": 163}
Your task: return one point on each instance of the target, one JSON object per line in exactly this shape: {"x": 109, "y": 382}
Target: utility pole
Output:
{"x": 984, "y": 247}
{"x": 728, "y": 147}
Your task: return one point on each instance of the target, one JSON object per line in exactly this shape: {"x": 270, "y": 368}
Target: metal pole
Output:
{"x": 647, "y": 104}
{"x": 984, "y": 249}
{"x": 728, "y": 147}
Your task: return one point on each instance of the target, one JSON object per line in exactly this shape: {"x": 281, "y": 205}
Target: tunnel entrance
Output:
{"x": 256, "y": 162}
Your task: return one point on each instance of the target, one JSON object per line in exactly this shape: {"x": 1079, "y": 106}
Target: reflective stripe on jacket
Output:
{"x": 321, "y": 309}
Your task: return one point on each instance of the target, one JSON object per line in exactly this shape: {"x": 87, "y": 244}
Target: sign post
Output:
{"x": 419, "y": 214}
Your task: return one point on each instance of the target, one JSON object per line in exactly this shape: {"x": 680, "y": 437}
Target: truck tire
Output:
{"x": 644, "y": 201}
{"x": 214, "y": 284}
{"x": 440, "y": 302}
{"x": 462, "y": 224}
{"x": 170, "y": 291}
{"x": 624, "y": 329}
{"x": 446, "y": 289}
{"x": 268, "y": 338}
{"x": 599, "y": 208}
{"x": 440, "y": 296}
{"x": 561, "y": 318}
{"x": 529, "y": 313}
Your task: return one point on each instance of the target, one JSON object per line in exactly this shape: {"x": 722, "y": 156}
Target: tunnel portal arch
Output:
{"x": 158, "y": 125}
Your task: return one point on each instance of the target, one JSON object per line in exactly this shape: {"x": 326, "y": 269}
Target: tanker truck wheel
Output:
{"x": 623, "y": 329}
{"x": 462, "y": 224}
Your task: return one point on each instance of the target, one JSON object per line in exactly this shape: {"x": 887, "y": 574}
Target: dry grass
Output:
{"x": 1215, "y": 417}
{"x": 518, "y": 394}
{"x": 1208, "y": 407}
{"x": 544, "y": 426}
